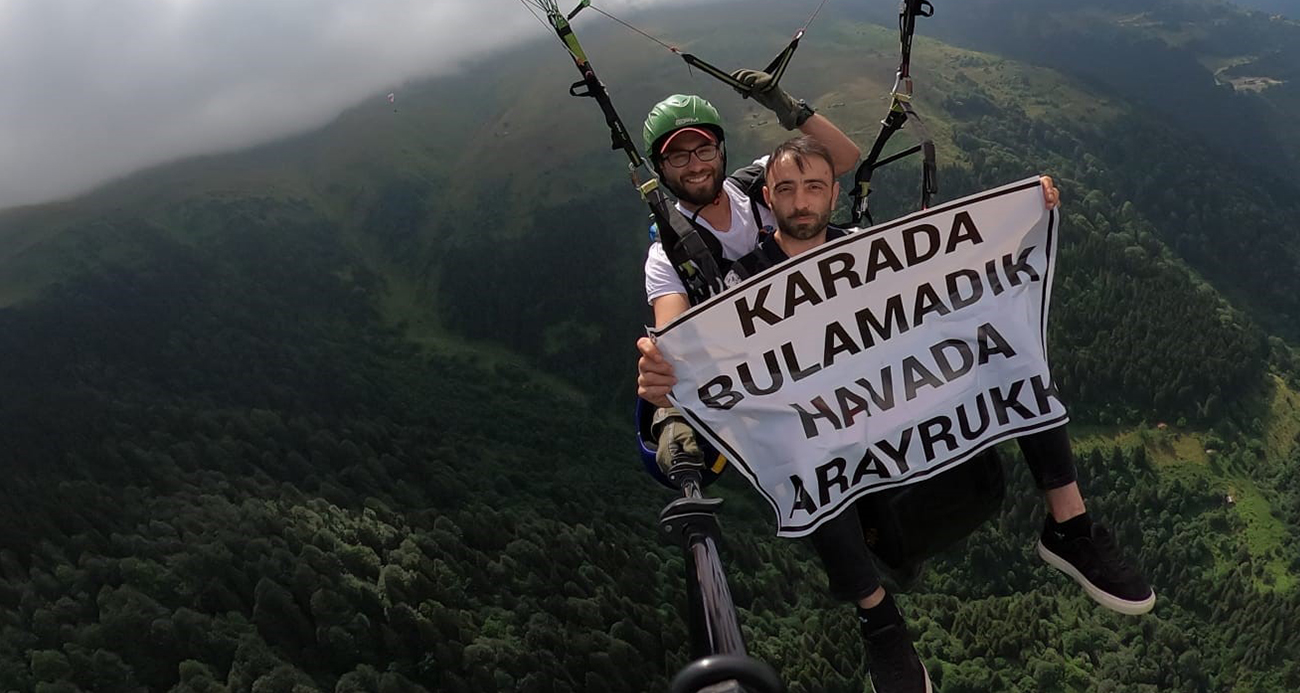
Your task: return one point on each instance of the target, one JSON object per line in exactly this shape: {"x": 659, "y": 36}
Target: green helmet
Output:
{"x": 676, "y": 112}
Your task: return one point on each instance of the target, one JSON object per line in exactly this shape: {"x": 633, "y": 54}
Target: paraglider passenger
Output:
{"x": 800, "y": 193}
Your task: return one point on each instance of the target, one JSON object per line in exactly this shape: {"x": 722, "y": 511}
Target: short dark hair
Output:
{"x": 801, "y": 148}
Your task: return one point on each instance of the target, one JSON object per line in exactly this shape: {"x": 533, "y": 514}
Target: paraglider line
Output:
{"x": 551, "y": 10}
{"x": 677, "y": 50}
{"x": 536, "y": 16}
{"x": 814, "y": 15}
{"x": 671, "y": 48}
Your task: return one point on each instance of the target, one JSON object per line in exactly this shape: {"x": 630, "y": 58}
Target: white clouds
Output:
{"x": 93, "y": 89}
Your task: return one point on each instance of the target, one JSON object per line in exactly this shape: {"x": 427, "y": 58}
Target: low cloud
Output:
{"x": 95, "y": 89}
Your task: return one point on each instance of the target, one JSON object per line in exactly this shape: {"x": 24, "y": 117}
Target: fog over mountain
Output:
{"x": 106, "y": 88}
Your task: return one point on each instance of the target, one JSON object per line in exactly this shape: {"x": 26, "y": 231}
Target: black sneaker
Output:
{"x": 893, "y": 663}
{"x": 1095, "y": 563}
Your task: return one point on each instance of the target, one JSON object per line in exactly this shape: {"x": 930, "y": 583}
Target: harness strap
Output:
{"x": 592, "y": 87}
{"x": 900, "y": 114}
{"x": 697, "y": 257}
{"x": 750, "y": 179}
{"x": 695, "y": 254}
{"x": 619, "y": 138}
{"x": 908, "y": 11}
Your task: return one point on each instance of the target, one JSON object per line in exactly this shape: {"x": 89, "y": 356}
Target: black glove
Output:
{"x": 669, "y": 427}
{"x": 789, "y": 112}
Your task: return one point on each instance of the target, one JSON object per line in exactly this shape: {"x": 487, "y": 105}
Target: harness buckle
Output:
{"x": 645, "y": 188}
{"x": 902, "y": 86}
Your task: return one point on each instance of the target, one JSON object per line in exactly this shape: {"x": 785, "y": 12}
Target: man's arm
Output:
{"x": 844, "y": 152}
{"x": 796, "y": 114}
{"x": 669, "y": 306}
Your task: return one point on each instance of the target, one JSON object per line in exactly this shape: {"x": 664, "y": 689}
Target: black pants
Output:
{"x": 843, "y": 549}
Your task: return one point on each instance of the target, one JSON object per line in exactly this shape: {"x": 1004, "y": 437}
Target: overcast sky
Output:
{"x": 93, "y": 89}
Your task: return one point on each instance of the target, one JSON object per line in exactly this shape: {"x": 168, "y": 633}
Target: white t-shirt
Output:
{"x": 660, "y": 277}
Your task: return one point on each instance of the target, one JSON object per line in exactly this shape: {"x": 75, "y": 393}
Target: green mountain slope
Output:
{"x": 347, "y": 412}
{"x": 281, "y": 491}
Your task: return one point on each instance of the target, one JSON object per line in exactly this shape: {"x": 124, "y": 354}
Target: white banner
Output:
{"x": 879, "y": 359}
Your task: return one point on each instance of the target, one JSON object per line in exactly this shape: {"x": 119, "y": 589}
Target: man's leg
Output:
{"x": 1065, "y": 502}
{"x": 892, "y": 661}
{"x": 1071, "y": 542}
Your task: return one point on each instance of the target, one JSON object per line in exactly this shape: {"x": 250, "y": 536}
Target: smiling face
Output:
{"x": 697, "y": 181}
{"x": 801, "y": 191}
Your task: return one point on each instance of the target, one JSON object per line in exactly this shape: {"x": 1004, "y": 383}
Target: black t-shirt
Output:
{"x": 767, "y": 254}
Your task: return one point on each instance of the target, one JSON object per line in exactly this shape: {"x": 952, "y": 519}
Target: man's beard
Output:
{"x": 698, "y": 198}
{"x": 803, "y": 230}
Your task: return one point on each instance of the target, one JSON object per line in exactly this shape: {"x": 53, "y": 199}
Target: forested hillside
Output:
{"x": 351, "y": 412}
{"x": 261, "y": 486}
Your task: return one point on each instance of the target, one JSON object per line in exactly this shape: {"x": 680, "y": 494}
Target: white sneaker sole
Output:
{"x": 1110, "y": 601}
{"x": 929, "y": 688}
